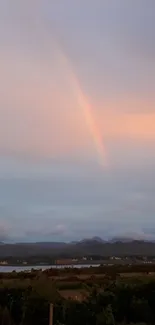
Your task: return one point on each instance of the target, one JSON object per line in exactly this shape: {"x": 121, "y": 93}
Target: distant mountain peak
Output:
{"x": 100, "y": 240}
{"x": 91, "y": 240}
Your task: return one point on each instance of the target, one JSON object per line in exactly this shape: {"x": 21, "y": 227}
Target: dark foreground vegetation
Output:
{"x": 95, "y": 296}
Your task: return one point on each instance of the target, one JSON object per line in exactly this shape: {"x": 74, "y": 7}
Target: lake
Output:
{"x": 7, "y": 269}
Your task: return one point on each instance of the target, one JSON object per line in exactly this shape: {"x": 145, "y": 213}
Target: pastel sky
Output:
{"x": 77, "y": 119}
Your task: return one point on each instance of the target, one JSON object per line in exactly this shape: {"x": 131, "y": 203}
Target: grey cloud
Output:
{"x": 136, "y": 235}
{"x": 79, "y": 207}
{"x": 56, "y": 230}
{"x": 4, "y": 233}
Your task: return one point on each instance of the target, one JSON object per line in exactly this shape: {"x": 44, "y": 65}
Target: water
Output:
{"x": 9, "y": 269}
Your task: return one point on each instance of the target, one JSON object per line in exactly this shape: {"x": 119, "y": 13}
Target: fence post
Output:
{"x": 51, "y": 315}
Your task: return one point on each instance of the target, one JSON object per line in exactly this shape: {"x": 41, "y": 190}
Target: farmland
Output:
{"x": 101, "y": 295}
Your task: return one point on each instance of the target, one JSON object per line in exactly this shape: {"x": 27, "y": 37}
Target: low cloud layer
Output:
{"x": 56, "y": 231}
{"x": 4, "y": 233}
{"x": 68, "y": 205}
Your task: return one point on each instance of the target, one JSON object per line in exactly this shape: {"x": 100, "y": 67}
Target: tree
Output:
{"x": 106, "y": 317}
{"x": 35, "y": 310}
{"x": 6, "y": 318}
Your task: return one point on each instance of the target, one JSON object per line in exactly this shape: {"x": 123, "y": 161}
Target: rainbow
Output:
{"x": 91, "y": 123}
{"x": 86, "y": 109}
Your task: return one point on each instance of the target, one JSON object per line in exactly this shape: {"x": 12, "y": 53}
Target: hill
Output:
{"x": 94, "y": 246}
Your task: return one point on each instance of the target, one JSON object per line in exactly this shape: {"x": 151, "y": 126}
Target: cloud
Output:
{"x": 80, "y": 203}
{"x": 4, "y": 232}
{"x": 135, "y": 235}
{"x": 57, "y": 230}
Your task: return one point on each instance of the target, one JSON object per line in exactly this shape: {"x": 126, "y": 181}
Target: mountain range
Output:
{"x": 95, "y": 246}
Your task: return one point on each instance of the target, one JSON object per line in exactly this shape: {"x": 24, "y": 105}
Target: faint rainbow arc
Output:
{"x": 88, "y": 115}
{"x": 82, "y": 100}
{"x": 91, "y": 124}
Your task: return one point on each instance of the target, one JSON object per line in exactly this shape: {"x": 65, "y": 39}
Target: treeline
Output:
{"x": 73, "y": 260}
{"x": 117, "y": 304}
{"x": 52, "y": 259}
{"x": 31, "y": 260}
{"x": 114, "y": 270}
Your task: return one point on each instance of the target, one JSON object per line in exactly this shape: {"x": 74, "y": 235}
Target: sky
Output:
{"x": 77, "y": 119}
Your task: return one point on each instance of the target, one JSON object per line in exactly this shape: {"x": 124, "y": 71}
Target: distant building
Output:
{"x": 3, "y": 263}
{"x": 64, "y": 262}
{"x": 115, "y": 258}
